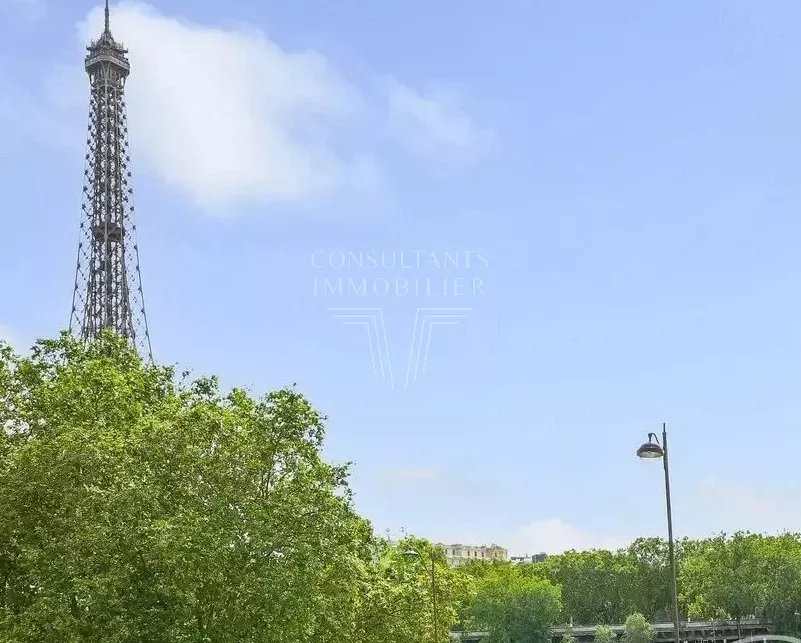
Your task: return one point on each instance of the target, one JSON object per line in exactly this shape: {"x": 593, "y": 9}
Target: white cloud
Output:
{"x": 734, "y": 505}
{"x": 554, "y": 536}
{"x": 433, "y": 124}
{"x": 717, "y": 506}
{"x": 229, "y": 116}
{"x": 442, "y": 507}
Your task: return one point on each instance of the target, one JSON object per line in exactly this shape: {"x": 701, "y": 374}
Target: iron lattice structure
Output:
{"x": 108, "y": 286}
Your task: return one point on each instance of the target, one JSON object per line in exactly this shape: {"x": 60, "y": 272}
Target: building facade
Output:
{"x": 536, "y": 558}
{"x": 458, "y": 554}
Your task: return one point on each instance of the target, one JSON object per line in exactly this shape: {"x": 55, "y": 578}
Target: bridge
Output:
{"x": 691, "y": 632}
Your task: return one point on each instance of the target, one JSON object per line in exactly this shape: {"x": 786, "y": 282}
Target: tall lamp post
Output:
{"x": 649, "y": 450}
{"x": 413, "y": 553}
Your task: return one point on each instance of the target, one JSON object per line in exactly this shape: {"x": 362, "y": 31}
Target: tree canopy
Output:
{"x": 637, "y": 630}
{"x": 138, "y": 505}
{"x": 745, "y": 575}
{"x": 511, "y": 606}
{"x": 137, "y": 508}
{"x": 604, "y": 634}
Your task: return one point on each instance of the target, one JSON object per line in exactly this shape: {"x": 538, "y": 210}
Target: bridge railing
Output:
{"x": 691, "y": 632}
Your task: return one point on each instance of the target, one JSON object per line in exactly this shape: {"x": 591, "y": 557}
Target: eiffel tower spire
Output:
{"x": 108, "y": 289}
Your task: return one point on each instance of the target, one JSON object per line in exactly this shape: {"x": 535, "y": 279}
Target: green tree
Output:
{"x": 722, "y": 579}
{"x": 604, "y": 634}
{"x": 745, "y": 575}
{"x": 596, "y": 585}
{"x": 134, "y": 508}
{"x": 567, "y": 637}
{"x": 512, "y": 607}
{"x": 650, "y": 592}
{"x": 399, "y": 595}
{"x": 638, "y": 630}
{"x": 780, "y": 582}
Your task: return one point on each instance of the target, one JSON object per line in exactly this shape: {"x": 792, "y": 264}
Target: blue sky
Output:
{"x": 612, "y": 188}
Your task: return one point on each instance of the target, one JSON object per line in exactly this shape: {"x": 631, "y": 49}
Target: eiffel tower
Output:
{"x": 108, "y": 288}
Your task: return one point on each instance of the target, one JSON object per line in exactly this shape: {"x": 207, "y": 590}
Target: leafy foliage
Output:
{"x": 511, "y": 606}
{"x": 745, "y": 575}
{"x": 601, "y": 586}
{"x": 604, "y": 634}
{"x": 133, "y": 508}
{"x": 399, "y": 601}
{"x": 137, "y": 507}
{"x": 638, "y": 630}
{"x": 596, "y": 585}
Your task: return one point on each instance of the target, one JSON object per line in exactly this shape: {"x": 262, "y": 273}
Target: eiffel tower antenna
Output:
{"x": 108, "y": 289}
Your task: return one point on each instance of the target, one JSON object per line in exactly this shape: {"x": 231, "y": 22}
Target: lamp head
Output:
{"x": 651, "y": 449}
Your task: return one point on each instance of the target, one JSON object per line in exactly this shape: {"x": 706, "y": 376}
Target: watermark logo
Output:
{"x": 429, "y": 289}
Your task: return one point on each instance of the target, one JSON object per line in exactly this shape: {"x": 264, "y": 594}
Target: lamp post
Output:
{"x": 649, "y": 450}
{"x": 413, "y": 553}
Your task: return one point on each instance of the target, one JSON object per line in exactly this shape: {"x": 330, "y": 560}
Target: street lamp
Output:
{"x": 651, "y": 450}
{"x": 413, "y": 553}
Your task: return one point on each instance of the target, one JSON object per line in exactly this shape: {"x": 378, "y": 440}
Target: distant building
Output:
{"x": 536, "y": 558}
{"x": 459, "y": 554}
